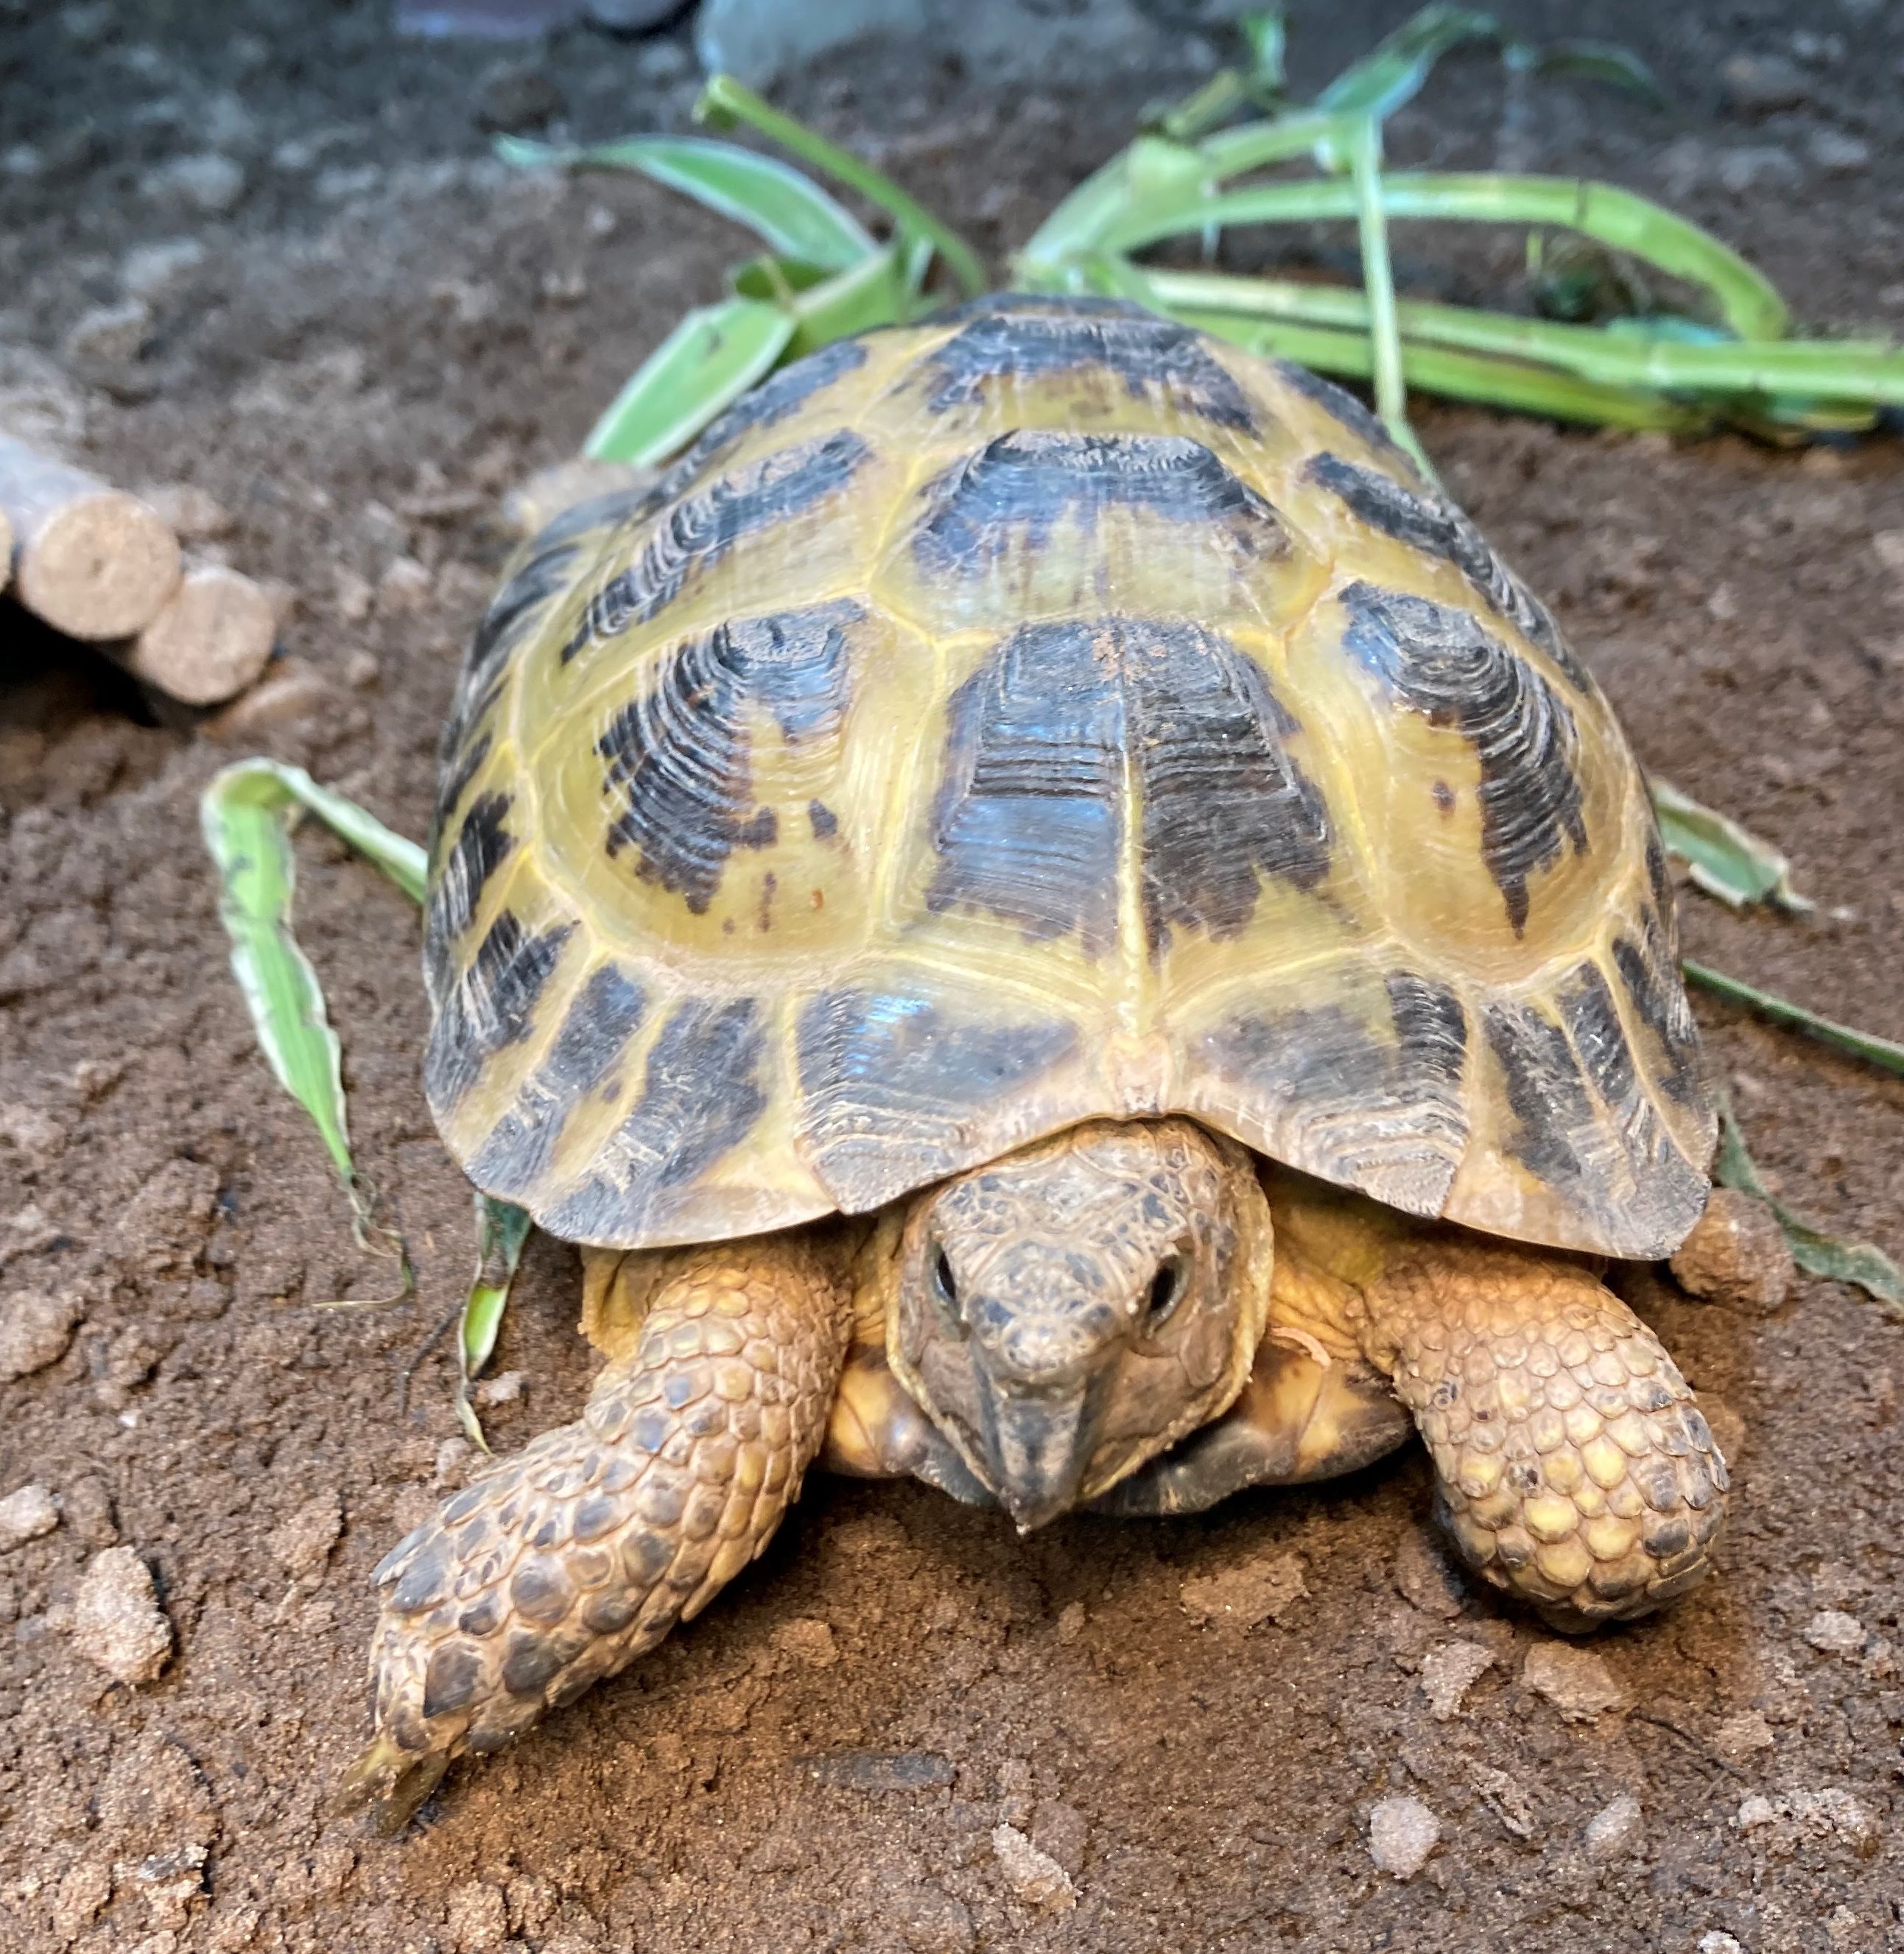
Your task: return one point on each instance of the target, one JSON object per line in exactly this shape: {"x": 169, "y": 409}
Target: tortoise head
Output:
{"x": 1068, "y": 1312}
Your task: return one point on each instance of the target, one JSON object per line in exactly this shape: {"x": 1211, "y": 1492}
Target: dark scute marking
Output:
{"x": 609, "y": 1614}
{"x": 1028, "y": 810}
{"x": 1223, "y": 801}
{"x": 1546, "y": 1093}
{"x": 776, "y": 398}
{"x": 602, "y": 1017}
{"x": 1016, "y": 488}
{"x": 894, "y": 1083}
{"x": 482, "y": 1617}
{"x": 482, "y": 846}
{"x": 425, "y": 1580}
{"x": 532, "y": 1664}
{"x": 680, "y": 756}
{"x": 1341, "y": 405}
{"x": 1592, "y": 1019}
{"x": 1659, "y": 996}
{"x": 1425, "y": 521}
{"x": 701, "y": 529}
{"x": 1156, "y": 359}
{"x": 488, "y": 1007}
{"x": 1441, "y": 662}
{"x": 463, "y": 767}
{"x": 1029, "y": 820}
{"x": 825, "y": 823}
{"x": 450, "y": 1680}
{"x": 701, "y": 1094}
{"x": 1386, "y": 1117}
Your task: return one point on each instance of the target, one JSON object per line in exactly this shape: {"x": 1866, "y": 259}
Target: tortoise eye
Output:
{"x": 1166, "y": 1289}
{"x": 945, "y": 1289}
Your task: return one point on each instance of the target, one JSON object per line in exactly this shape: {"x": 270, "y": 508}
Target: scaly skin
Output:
{"x": 559, "y": 1566}
{"x": 1574, "y": 1469}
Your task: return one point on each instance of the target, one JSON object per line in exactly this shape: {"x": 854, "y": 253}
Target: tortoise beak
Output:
{"x": 1038, "y": 1446}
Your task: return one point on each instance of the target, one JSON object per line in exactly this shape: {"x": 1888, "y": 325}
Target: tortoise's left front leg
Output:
{"x": 560, "y": 1564}
{"x": 1574, "y": 1468}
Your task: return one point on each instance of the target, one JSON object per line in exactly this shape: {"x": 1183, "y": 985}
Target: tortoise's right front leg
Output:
{"x": 560, "y": 1564}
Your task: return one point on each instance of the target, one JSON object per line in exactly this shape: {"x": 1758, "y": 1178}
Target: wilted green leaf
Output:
{"x": 1867, "y": 1045}
{"x": 247, "y": 814}
{"x": 706, "y": 362}
{"x": 502, "y": 1232}
{"x": 1727, "y": 860}
{"x": 1860, "y": 1263}
{"x": 789, "y": 211}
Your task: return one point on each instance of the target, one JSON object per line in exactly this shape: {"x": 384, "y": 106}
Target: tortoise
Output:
{"x": 1052, "y": 918}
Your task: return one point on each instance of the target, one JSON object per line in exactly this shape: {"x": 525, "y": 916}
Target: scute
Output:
{"x": 1045, "y": 713}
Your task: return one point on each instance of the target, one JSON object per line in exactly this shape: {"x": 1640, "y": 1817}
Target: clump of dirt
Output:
{"x": 383, "y": 331}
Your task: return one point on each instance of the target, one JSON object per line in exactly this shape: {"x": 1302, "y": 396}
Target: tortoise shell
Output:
{"x": 1045, "y": 713}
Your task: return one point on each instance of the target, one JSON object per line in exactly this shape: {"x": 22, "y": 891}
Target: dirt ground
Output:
{"x": 386, "y": 331}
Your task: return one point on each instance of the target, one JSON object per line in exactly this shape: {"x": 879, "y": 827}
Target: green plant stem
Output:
{"x": 1378, "y": 289}
{"x": 1862, "y": 1045}
{"x": 724, "y": 98}
{"x": 1750, "y": 306}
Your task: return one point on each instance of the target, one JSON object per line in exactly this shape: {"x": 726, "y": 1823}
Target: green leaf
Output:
{"x": 1727, "y": 860}
{"x": 1383, "y": 80}
{"x": 788, "y": 211}
{"x": 247, "y": 815}
{"x": 1879, "y": 1051}
{"x": 1601, "y": 61}
{"x": 502, "y": 1232}
{"x": 706, "y": 362}
{"x": 725, "y": 101}
{"x": 1861, "y": 1264}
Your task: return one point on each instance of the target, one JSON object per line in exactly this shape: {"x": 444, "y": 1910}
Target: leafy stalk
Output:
{"x": 1867, "y": 1045}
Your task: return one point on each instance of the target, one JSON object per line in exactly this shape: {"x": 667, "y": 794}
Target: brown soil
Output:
{"x": 365, "y": 357}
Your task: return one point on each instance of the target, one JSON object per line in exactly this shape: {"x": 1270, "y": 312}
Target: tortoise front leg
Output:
{"x": 560, "y": 1565}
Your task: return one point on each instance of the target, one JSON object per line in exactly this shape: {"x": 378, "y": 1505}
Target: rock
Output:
{"x": 1736, "y": 1254}
{"x": 1741, "y": 171}
{"x": 1072, "y": 1618}
{"x": 1575, "y": 1681}
{"x": 116, "y": 1621}
{"x": 630, "y": 17}
{"x": 1837, "y": 154}
{"x": 405, "y": 585}
{"x": 81, "y": 1896}
{"x": 809, "y": 1641}
{"x": 1757, "y": 85}
{"x": 301, "y": 1543}
{"x": 1613, "y": 1831}
{"x": 211, "y": 184}
{"x": 25, "y": 1514}
{"x": 1063, "y": 1832}
{"x": 1741, "y": 1734}
{"x": 929, "y": 1920}
{"x": 1265, "y": 1589}
{"x": 1424, "y": 1578}
{"x": 1402, "y": 1832}
{"x": 88, "y": 1508}
{"x": 514, "y": 96}
{"x": 1030, "y": 1875}
{"x": 662, "y": 63}
{"x": 1832, "y": 1630}
{"x": 112, "y": 335}
{"x": 1506, "y": 1797}
{"x": 1716, "y": 1942}
{"x": 505, "y": 1388}
{"x": 478, "y": 1917}
{"x": 1781, "y": 1824}
{"x": 1447, "y": 1674}
{"x": 193, "y": 515}
{"x": 35, "y": 1329}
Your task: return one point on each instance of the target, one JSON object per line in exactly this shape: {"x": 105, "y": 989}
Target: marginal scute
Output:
{"x": 1040, "y": 713}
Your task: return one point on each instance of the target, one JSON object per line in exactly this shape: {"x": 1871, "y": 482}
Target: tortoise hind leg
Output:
{"x": 560, "y": 1564}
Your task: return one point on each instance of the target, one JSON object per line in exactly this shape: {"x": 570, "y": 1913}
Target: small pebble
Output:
{"x": 664, "y": 63}
{"x": 504, "y": 1389}
{"x": 211, "y": 184}
{"x": 515, "y": 96}
{"x": 809, "y": 1641}
{"x": 1716, "y": 1942}
{"x": 1832, "y": 1630}
{"x": 25, "y": 1514}
{"x": 1033, "y": 1876}
{"x": 1071, "y": 1620}
{"x": 1448, "y": 1672}
{"x": 192, "y": 515}
{"x": 1837, "y": 154}
{"x": 404, "y": 585}
{"x": 1783, "y": 1823}
{"x": 1761, "y": 84}
{"x": 35, "y": 1329}
{"x": 116, "y": 1621}
{"x": 1575, "y": 1681}
{"x": 1763, "y": 166}
{"x": 1614, "y": 1830}
{"x": 1736, "y": 1254}
{"x": 1402, "y": 1832}
{"x": 1265, "y": 1589}
{"x": 1741, "y": 1734}
{"x": 109, "y": 335}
